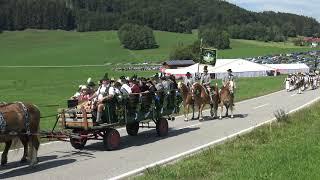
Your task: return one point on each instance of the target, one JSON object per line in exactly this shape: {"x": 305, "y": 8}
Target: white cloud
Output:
{"x": 302, "y": 7}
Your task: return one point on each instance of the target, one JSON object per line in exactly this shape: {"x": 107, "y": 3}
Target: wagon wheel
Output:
{"x": 132, "y": 128}
{"x": 162, "y": 127}
{"x": 76, "y": 142}
{"x": 111, "y": 139}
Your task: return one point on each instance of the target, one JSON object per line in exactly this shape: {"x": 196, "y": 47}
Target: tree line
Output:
{"x": 166, "y": 15}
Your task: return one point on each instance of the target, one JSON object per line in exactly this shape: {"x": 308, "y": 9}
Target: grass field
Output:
{"x": 49, "y": 88}
{"x": 284, "y": 150}
{"x": 44, "y": 47}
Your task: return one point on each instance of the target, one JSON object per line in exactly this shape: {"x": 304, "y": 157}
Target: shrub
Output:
{"x": 135, "y": 37}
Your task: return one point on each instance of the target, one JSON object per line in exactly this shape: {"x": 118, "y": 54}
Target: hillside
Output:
{"x": 42, "y": 47}
{"x": 164, "y": 15}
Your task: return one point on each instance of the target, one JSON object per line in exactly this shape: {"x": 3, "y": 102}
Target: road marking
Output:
{"x": 189, "y": 126}
{"x": 263, "y": 105}
{"x": 191, "y": 151}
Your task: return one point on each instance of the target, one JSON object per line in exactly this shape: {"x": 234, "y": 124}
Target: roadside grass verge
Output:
{"x": 282, "y": 150}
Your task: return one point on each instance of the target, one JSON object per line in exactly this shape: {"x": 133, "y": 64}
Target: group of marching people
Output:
{"x": 302, "y": 81}
{"x": 95, "y": 97}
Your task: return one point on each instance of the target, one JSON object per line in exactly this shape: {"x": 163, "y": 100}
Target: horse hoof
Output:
{"x": 201, "y": 119}
{"x": 231, "y": 116}
{"x": 186, "y": 120}
{"x": 220, "y": 118}
{"x": 24, "y": 160}
{"x": 3, "y": 163}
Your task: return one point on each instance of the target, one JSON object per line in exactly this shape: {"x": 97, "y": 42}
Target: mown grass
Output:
{"x": 47, "y": 47}
{"x": 284, "y": 150}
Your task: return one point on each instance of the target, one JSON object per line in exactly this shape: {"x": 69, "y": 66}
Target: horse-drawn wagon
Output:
{"x": 132, "y": 111}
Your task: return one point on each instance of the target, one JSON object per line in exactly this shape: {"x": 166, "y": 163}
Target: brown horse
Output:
{"x": 202, "y": 97}
{"x": 20, "y": 120}
{"x": 226, "y": 99}
{"x": 187, "y": 100}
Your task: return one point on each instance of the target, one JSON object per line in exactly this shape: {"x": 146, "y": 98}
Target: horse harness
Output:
{"x": 3, "y": 123}
{"x": 26, "y": 117}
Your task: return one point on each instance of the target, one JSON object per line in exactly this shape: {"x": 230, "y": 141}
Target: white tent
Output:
{"x": 289, "y": 68}
{"x": 240, "y": 68}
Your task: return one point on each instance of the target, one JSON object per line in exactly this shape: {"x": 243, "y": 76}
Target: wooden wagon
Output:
{"x": 132, "y": 111}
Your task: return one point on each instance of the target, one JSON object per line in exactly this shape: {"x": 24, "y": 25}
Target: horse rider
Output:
{"x": 205, "y": 80}
{"x": 104, "y": 92}
{"x": 227, "y": 79}
{"x": 189, "y": 80}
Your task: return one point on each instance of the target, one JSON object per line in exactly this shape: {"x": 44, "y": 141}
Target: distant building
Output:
{"x": 175, "y": 64}
{"x": 313, "y": 42}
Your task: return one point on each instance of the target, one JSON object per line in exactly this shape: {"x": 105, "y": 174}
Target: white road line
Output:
{"x": 191, "y": 151}
{"x": 263, "y": 105}
{"x": 189, "y": 126}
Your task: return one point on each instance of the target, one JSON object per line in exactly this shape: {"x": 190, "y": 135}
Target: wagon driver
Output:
{"x": 104, "y": 92}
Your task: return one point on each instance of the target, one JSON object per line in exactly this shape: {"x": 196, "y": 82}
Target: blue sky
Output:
{"x": 302, "y": 7}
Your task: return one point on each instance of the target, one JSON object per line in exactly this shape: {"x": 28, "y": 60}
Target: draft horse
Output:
{"x": 226, "y": 98}
{"x": 202, "y": 97}
{"x": 20, "y": 121}
{"x": 187, "y": 100}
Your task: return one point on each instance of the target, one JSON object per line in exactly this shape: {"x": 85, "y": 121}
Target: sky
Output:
{"x": 309, "y": 8}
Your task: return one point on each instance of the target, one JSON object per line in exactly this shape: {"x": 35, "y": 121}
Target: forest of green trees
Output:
{"x": 165, "y": 15}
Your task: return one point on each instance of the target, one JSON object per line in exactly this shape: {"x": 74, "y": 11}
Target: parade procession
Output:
{"x": 94, "y": 111}
{"x": 302, "y": 81}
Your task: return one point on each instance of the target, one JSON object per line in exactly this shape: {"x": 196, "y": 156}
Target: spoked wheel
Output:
{"x": 111, "y": 139}
{"x": 76, "y": 142}
{"x": 132, "y": 128}
{"x": 162, "y": 127}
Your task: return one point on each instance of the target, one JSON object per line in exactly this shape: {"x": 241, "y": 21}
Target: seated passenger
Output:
{"x": 125, "y": 89}
{"x": 104, "y": 92}
{"x": 84, "y": 94}
{"x": 134, "y": 85}
{"x": 142, "y": 85}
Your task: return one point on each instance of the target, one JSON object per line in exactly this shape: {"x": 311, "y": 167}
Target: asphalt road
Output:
{"x": 58, "y": 160}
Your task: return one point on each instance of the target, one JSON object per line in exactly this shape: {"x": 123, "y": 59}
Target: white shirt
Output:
{"x": 102, "y": 89}
{"x": 125, "y": 89}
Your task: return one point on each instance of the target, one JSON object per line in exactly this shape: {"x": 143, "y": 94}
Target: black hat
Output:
{"x": 156, "y": 76}
{"x": 133, "y": 78}
{"x": 229, "y": 70}
{"x": 205, "y": 68}
{"x": 105, "y": 77}
{"x": 91, "y": 84}
{"x": 188, "y": 74}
